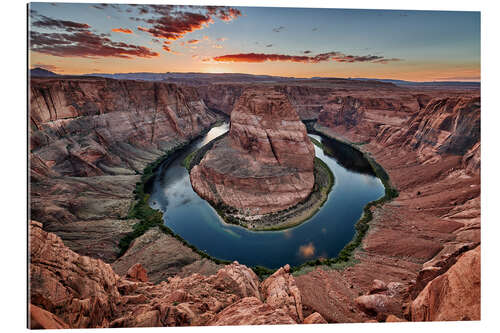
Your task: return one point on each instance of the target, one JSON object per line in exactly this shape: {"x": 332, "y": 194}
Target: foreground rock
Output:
{"x": 280, "y": 291}
{"x": 251, "y": 311}
{"x": 72, "y": 291}
{"x": 454, "y": 295}
{"x": 315, "y": 318}
{"x": 266, "y": 162}
{"x": 81, "y": 291}
{"x": 41, "y": 319}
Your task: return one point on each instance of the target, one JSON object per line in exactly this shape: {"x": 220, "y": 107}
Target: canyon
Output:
{"x": 91, "y": 138}
{"x": 266, "y": 162}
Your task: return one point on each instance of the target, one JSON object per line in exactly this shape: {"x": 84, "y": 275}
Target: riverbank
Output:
{"x": 148, "y": 217}
{"x": 345, "y": 258}
{"x": 289, "y": 218}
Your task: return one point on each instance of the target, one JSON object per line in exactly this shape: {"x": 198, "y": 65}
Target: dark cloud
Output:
{"x": 269, "y": 45}
{"x": 85, "y": 44}
{"x": 123, "y": 30}
{"x": 315, "y": 29}
{"x": 306, "y": 52}
{"x": 116, "y": 7}
{"x": 50, "y": 23}
{"x": 279, "y": 29}
{"x": 385, "y": 61}
{"x": 175, "y": 27}
{"x": 223, "y": 12}
{"x": 173, "y": 22}
{"x": 329, "y": 56}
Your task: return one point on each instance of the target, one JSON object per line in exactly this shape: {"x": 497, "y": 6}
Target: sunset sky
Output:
{"x": 299, "y": 42}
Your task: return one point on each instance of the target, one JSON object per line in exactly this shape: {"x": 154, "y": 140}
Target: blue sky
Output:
{"x": 301, "y": 42}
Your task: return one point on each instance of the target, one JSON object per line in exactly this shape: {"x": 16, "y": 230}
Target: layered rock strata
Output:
{"x": 418, "y": 239}
{"x": 90, "y": 138}
{"x": 266, "y": 162}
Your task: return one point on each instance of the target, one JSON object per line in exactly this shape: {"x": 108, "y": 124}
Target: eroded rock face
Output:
{"x": 266, "y": 162}
{"x": 90, "y": 127}
{"x": 251, "y": 311}
{"x": 453, "y": 295}
{"x": 81, "y": 291}
{"x": 280, "y": 291}
{"x": 41, "y": 319}
{"x": 347, "y": 111}
{"x": 72, "y": 291}
{"x": 446, "y": 126}
{"x": 90, "y": 138}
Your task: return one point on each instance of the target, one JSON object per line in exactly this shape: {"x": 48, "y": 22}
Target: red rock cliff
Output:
{"x": 90, "y": 138}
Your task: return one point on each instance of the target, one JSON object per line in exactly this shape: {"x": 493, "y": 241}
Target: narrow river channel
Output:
{"x": 323, "y": 235}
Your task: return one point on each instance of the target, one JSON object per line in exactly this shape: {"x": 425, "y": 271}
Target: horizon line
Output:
{"x": 277, "y": 76}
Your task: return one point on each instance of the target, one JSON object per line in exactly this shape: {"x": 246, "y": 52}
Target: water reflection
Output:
{"x": 307, "y": 251}
{"x": 346, "y": 156}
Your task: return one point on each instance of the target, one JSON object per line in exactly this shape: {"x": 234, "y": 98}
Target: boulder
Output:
{"x": 41, "y": 319}
{"x": 315, "y": 318}
{"x": 137, "y": 273}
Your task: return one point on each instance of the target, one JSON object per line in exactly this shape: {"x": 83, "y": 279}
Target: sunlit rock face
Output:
{"x": 266, "y": 162}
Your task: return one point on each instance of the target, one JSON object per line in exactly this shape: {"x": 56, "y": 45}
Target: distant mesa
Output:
{"x": 266, "y": 162}
{"x": 41, "y": 72}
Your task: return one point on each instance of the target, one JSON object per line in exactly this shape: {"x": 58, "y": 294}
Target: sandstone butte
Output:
{"x": 265, "y": 164}
{"x": 91, "y": 137}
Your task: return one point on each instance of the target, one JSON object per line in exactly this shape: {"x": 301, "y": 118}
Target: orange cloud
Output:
{"x": 173, "y": 24}
{"x": 125, "y": 31}
{"x": 329, "y": 56}
{"x": 193, "y": 41}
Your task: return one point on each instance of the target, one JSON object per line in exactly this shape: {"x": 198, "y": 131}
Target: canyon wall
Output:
{"x": 446, "y": 126}
{"x": 421, "y": 244}
{"x": 94, "y": 127}
{"x": 90, "y": 139}
{"x": 306, "y": 100}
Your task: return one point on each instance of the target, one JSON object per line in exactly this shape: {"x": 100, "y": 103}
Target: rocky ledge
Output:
{"x": 265, "y": 164}
{"x": 68, "y": 290}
